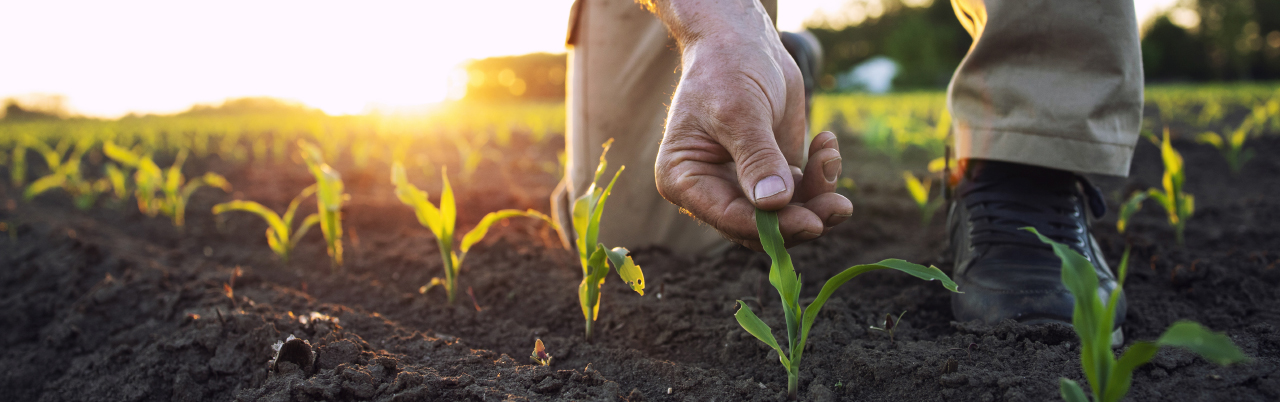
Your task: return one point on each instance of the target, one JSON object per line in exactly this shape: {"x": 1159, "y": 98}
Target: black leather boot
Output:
{"x": 1006, "y": 272}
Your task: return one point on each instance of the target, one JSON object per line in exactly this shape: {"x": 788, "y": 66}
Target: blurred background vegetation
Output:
{"x": 1194, "y": 41}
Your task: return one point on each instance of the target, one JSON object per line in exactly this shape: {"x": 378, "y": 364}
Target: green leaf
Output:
{"x": 43, "y": 184}
{"x": 307, "y": 223}
{"x": 604, "y": 164}
{"x": 1210, "y": 138}
{"x": 811, "y": 311}
{"x": 535, "y": 214}
{"x": 448, "y": 207}
{"x": 118, "y": 180}
{"x": 297, "y": 200}
{"x": 281, "y": 248}
{"x": 1087, "y": 318}
{"x": 919, "y": 190}
{"x": 482, "y": 228}
{"x": 581, "y": 219}
{"x": 597, "y": 209}
{"x": 1172, "y": 160}
{"x": 589, "y": 289}
{"x": 782, "y": 275}
{"x": 120, "y": 155}
{"x": 1121, "y": 377}
{"x": 627, "y": 268}
{"x": 1188, "y": 207}
{"x": 52, "y": 157}
{"x": 1130, "y": 207}
{"x": 427, "y": 213}
{"x": 273, "y": 220}
{"x": 760, "y": 330}
{"x": 1212, "y": 346}
{"x": 1071, "y": 391}
{"x": 216, "y": 180}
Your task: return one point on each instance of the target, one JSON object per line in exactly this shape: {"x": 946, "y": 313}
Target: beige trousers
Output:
{"x": 622, "y": 72}
{"x": 1054, "y": 83}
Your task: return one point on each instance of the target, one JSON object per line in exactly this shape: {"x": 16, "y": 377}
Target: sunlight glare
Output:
{"x": 112, "y": 58}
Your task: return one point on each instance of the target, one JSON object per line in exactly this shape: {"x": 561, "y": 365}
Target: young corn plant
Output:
{"x": 329, "y": 199}
{"x": 118, "y": 178}
{"x": 540, "y": 354}
{"x": 443, "y": 220}
{"x": 594, "y": 256}
{"x": 280, "y": 237}
{"x": 1177, "y": 203}
{"x": 1109, "y": 378}
{"x": 148, "y": 178}
{"x": 178, "y": 191}
{"x": 783, "y": 277}
{"x": 919, "y": 191}
{"x": 889, "y": 324}
{"x": 66, "y": 174}
{"x": 1231, "y": 145}
{"x": 159, "y": 191}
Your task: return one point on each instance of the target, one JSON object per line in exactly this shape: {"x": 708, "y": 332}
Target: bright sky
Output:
{"x": 113, "y": 57}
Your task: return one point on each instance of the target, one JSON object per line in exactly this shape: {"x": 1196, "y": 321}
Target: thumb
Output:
{"x": 763, "y": 172}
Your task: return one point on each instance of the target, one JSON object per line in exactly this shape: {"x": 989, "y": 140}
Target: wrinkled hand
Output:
{"x": 734, "y": 141}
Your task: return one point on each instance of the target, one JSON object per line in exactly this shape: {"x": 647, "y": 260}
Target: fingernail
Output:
{"x": 836, "y": 219}
{"x": 806, "y": 236}
{"x": 769, "y": 187}
{"x": 831, "y": 143}
{"x": 831, "y": 169}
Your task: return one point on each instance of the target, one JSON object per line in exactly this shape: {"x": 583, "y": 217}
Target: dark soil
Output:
{"x": 112, "y": 305}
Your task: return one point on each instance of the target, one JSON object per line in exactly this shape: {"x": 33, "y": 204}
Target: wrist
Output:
{"x": 737, "y": 22}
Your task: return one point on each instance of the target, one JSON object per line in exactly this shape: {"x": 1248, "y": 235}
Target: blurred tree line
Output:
{"x": 536, "y": 76}
{"x": 1203, "y": 40}
{"x": 924, "y": 38}
{"x": 1199, "y": 40}
{"x": 36, "y": 106}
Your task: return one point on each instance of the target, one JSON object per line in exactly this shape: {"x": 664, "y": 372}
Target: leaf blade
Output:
{"x": 757, "y": 328}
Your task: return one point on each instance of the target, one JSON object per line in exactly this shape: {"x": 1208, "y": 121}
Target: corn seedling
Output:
{"x": 1231, "y": 146}
{"x": 329, "y": 198}
{"x": 1109, "y": 378}
{"x": 443, "y": 220}
{"x": 594, "y": 256}
{"x": 159, "y": 191}
{"x": 280, "y": 237}
{"x": 540, "y": 354}
{"x": 783, "y": 277}
{"x": 471, "y": 152}
{"x": 65, "y": 173}
{"x": 177, "y": 191}
{"x": 919, "y": 191}
{"x": 889, "y": 324}
{"x": 1177, "y": 203}
{"x": 147, "y": 177}
{"x": 118, "y": 177}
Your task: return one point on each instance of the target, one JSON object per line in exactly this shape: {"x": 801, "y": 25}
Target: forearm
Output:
{"x": 691, "y": 21}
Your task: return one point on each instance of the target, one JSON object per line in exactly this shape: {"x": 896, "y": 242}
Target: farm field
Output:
{"x": 102, "y": 301}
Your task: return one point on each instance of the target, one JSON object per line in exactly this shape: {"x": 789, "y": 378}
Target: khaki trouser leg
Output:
{"x": 1053, "y": 83}
{"x": 623, "y": 69}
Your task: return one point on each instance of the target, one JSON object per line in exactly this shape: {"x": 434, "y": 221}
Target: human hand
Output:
{"x": 735, "y": 133}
